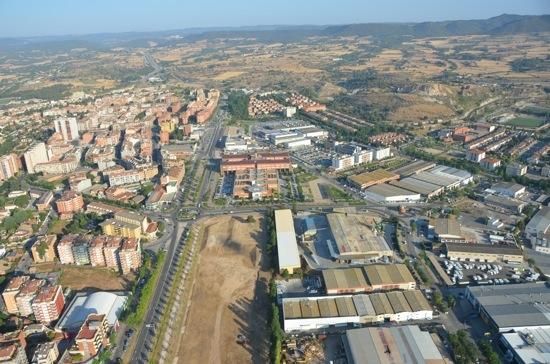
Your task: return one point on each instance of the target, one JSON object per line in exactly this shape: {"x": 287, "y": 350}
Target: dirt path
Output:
{"x": 316, "y": 192}
{"x": 230, "y": 295}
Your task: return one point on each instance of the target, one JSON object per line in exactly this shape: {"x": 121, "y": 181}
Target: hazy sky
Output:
{"x": 55, "y": 17}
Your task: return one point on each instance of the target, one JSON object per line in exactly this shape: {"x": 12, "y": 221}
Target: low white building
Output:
{"x": 382, "y": 153}
{"x": 287, "y": 246}
{"x": 314, "y": 313}
{"x": 390, "y": 194}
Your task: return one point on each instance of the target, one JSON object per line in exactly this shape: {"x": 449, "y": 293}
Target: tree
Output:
{"x": 250, "y": 219}
{"x": 21, "y": 201}
{"x": 237, "y": 103}
{"x": 285, "y": 274}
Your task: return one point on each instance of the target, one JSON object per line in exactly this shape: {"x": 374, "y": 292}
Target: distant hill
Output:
{"x": 499, "y": 25}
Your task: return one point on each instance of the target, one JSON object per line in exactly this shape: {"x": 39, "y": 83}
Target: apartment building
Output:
{"x": 97, "y": 245}
{"x": 46, "y": 353}
{"x": 36, "y": 154}
{"x": 81, "y": 252}
{"x": 125, "y": 177}
{"x": 475, "y": 155}
{"x": 13, "y": 354}
{"x": 69, "y": 202}
{"x": 67, "y": 127}
{"x": 11, "y": 291}
{"x": 65, "y": 249}
{"x": 130, "y": 255}
{"x": 26, "y": 295}
{"x": 110, "y": 252}
{"x": 43, "y": 249}
{"x": 92, "y": 336}
{"x": 9, "y": 166}
{"x": 48, "y": 304}
{"x": 114, "y": 227}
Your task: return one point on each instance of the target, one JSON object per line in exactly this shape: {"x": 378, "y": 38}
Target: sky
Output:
{"x": 21, "y": 18}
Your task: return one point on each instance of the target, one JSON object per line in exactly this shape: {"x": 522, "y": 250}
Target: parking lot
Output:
{"x": 477, "y": 273}
{"x": 316, "y": 156}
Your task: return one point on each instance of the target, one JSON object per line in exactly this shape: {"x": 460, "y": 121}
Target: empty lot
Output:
{"x": 230, "y": 295}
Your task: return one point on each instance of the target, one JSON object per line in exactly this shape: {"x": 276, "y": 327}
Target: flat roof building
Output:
{"x": 446, "y": 230}
{"x": 347, "y": 280}
{"x": 512, "y": 307}
{"x": 389, "y": 276}
{"x": 414, "y": 168}
{"x": 83, "y": 304}
{"x": 529, "y": 346}
{"x": 313, "y": 313}
{"x": 484, "y": 253}
{"x": 425, "y": 189}
{"x": 367, "y": 179}
{"x": 287, "y": 246}
{"x": 380, "y": 345}
{"x": 390, "y": 193}
{"x": 356, "y": 238}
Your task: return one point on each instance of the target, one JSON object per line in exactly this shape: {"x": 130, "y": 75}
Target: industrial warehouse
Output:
{"x": 379, "y": 345}
{"x": 287, "y": 246}
{"x": 377, "y": 277}
{"x": 356, "y": 238}
{"x": 410, "y": 183}
{"x": 513, "y": 307}
{"x": 311, "y": 313}
{"x": 484, "y": 253}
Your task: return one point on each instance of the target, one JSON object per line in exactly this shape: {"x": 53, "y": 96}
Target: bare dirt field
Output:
{"x": 82, "y": 278}
{"x": 230, "y": 295}
{"x": 316, "y": 193}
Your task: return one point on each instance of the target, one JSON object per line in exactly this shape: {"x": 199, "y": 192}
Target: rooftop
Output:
{"x": 85, "y": 303}
{"x": 515, "y": 305}
{"x": 484, "y": 248}
{"x": 403, "y": 344}
{"x": 388, "y": 274}
{"x": 348, "y": 278}
{"x": 287, "y": 246}
{"x": 446, "y": 227}
{"x": 372, "y": 177}
{"x": 354, "y": 236}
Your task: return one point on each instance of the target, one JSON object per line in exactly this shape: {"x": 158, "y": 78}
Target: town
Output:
{"x": 175, "y": 218}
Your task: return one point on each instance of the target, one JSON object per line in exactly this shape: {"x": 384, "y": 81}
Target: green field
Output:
{"x": 525, "y": 122}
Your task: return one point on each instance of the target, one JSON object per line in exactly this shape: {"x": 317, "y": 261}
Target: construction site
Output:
{"x": 227, "y": 318}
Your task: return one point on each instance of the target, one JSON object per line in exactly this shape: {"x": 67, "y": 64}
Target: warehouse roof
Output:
{"x": 373, "y": 177}
{"x": 451, "y": 172}
{"x": 414, "y": 167}
{"x": 435, "y": 179}
{"x": 446, "y": 226}
{"x": 530, "y": 345}
{"x": 309, "y": 308}
{"x": 345, "y": 306}
{"x": 292, "y": 309}
{"x": 327, "y": 308}
{"x": 417, "y": 301}
{"x": 388, "y": 274}
{"x": 381, "y": 304}
{"x": 484, "y": 248}
{"x": 387, "y": 190}
{"x": 515, "y": 305}
{"x": 414, "y": 185}
{"x": 379, "y": 345}
{"x": 347, "y": 278}
{"x": 287, "y": 246}
{"x": 398, "y": 302}
{"x": 355, "y": 237}
{"x": 363, "y": 305}
{"x": 541, "y": 221}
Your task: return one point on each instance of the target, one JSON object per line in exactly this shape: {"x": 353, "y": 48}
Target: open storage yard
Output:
{"x": 230, "y": 295}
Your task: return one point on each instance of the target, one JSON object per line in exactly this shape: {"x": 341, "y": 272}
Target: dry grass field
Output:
{"x": 87, "y": 277}
{"x": 230, "y": 295}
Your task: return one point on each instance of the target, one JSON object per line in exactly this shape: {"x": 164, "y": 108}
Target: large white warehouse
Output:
{"x": 287, "y": 246}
